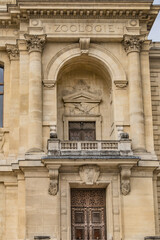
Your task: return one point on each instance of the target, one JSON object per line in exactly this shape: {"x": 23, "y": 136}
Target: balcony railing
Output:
{"x": 121, "y": 147}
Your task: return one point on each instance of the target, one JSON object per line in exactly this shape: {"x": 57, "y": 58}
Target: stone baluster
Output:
{"x": 132, "y": 45}
{"x": 35, "y": 45}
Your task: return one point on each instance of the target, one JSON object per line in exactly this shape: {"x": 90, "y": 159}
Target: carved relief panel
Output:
{"x": 82, "y": 102}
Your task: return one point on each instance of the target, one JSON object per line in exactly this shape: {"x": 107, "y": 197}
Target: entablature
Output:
{"x": 25, "y": 10}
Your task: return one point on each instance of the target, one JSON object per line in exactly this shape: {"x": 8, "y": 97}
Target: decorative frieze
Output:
{"x": 35, "y": 42}
{"x": 13, "y": 51}
{"x": 89, "y": 174}
{"x": 133, "y": 43}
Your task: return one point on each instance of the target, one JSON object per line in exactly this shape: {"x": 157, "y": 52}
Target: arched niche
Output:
{"x": 84, "y": 95}
{"x": 98, "y": 60}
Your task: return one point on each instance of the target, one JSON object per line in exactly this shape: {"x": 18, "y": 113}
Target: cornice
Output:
{"x": 25, "y": 10}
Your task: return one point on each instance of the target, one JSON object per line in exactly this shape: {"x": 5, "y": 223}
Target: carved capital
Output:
{"x": 53, "y": 175}
{"x": 35, "y": 42}
{"x": 13, "y": 51}
{"x": 121, "y": 84}
{"x": 84, "y": 44}
{"x": 125, "y": 179}
{"x": 133, "y": 43}
{"x": 89, "y": 174}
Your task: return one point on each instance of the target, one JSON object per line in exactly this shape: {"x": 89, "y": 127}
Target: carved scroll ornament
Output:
{"x": 53, "y": 175}
{"x": 89, "y": 174}
{"x": 35, "y": 42}
{"x": 125, "y": 180}
{"x": 84, "y": 45}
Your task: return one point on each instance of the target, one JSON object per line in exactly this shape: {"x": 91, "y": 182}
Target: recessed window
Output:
{"x": 82, "y": 131}
{"x": 1, "y": 94}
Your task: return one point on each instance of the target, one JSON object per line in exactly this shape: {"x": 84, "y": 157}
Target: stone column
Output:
{"x": 132, "y": 45}
{"x": 13, "y": 53}
{"x": 35, "y": 45}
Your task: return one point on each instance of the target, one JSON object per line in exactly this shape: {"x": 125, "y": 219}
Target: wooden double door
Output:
{"x": 88, "y": 214}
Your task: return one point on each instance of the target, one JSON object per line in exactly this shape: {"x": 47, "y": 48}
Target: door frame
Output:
{"x": 113, "y": 209}
{"x": 85, "y": 118}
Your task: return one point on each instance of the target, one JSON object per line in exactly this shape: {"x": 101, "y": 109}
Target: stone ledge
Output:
{"x": 152, "y": 237}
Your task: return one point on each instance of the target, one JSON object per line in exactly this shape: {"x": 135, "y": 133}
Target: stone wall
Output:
{"x": 155, "y": 92}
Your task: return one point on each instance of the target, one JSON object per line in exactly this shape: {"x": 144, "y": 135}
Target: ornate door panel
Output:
{"x": 88, "y": 214}
{"x": 82, "y": 131}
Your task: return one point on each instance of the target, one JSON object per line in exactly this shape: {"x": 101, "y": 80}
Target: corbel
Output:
{"x": 121, "y": 84}
{"x": 54, "y": 179}
{"x": 49, "y": 84}
{"x": 84, "y": 44}
{"x": 125, "y": 179}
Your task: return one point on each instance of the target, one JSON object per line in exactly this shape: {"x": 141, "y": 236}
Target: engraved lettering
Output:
{"x": 64, "y": 28}
{"x": 89, "y": 28}
{"x": 73, "y": 28}
{"x": 98, "y": 28}
{"x": 111, "y": 28}
{"x": 58, "y": 28}
{"x": 81, "y": 28}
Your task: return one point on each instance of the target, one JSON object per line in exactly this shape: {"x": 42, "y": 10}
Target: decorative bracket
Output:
{"x": 125, "y": 179}
{"x": 49, "y": 84}
{"x": 89, "y": 174}
{"x": 53, "y": 175}
{"x": 121, "y": 84}
{"x": 84, "y": 45}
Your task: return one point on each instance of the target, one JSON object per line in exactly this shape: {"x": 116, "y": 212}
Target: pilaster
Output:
{"x": 13, "y": 53}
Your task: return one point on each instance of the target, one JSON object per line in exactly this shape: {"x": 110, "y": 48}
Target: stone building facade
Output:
{"x": 79, "y": 120}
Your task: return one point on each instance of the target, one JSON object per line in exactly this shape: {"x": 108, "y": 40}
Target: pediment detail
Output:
{"x": 81, "y": 97}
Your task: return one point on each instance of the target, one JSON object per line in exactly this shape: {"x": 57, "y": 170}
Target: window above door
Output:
{"x": 82, "y": 131}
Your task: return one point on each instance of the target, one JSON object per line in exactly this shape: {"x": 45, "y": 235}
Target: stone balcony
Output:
{"x": 89, "y": 148}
